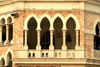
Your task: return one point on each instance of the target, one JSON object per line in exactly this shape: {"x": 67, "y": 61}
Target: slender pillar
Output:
{"x": 1, "y": 42}
{"x": 7, "y": 35}
{"x": 25, "y": 45}
{"x": 38, "y": 47}
{"x": 64, "y": 47}
{"x": 51, "y": 47}
{"x": 77, "y": 36}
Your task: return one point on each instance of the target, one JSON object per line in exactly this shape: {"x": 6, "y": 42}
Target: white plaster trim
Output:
{"x": 74, "y": 18}
{"x": 94, "y": 25}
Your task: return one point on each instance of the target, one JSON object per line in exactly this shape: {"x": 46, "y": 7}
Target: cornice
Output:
{"x": 12, "y": 1}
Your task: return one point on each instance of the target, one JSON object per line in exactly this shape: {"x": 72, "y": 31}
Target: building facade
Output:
{"x": 50, "y": 33}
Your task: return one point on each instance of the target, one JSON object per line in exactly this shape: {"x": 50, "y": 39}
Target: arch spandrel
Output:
{"x": 27, "y": 20}
{"x": 74, "y": 18}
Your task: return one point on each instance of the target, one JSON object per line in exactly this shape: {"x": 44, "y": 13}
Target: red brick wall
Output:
{"x": 90, "y": 19}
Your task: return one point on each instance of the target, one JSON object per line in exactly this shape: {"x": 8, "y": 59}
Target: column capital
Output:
{"x": 25, "y": 29}
{"x": 64, "y": 29}
{"x": 51, "y": 29}
{"x": 38, "y": 29}
{"x": 77, "y": 29}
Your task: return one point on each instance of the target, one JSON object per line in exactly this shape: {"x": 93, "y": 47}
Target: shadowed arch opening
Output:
{"x": 32, "y": 34}
{"x": 10, "y": 32}
{"x": 97, "y": 38}
{"x": 45, "y": 33}
{"x": 9, "y": 59}
{"x": 2, "y": 62}
{"x": 58, "y": 33}
{"x": 71, "y": 35}
{"x": 3, "y": 29}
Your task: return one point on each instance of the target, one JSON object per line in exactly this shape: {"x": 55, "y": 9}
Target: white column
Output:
{"x": 25, "y": 45}
{"x": 77, "y": 36}
{"x": 51, "y": 47}
{"x": 38, "y": 47}
{"x": 64, "y": 47}
{"x": 7, "y": 35}
{"x": 1, "y": 42}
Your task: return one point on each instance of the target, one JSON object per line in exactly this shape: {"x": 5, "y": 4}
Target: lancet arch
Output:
{"x": 28, "y": 18}
{"x": 75, "y": 19}
{"x": 56, "y": 16}
{"x": 94, "y": 25}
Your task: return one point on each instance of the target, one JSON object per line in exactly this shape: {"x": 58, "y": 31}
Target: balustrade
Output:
{"x": 57, "y": 54}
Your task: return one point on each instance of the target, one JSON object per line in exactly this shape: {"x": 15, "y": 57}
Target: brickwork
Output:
{"x": 19, "y": 25}
{"x": 90, "y": 19}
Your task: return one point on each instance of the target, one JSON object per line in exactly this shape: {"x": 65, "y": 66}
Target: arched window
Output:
{"x": 71, "y": 35}
{"x": 2, "y": 62}
{"x": 58, "y": 33}
{"x": 32, "y": 34}
{"x": 9, "y": 59}
{"x": 97, "y": 38}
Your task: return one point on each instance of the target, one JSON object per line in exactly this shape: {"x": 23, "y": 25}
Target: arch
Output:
{"x": 94, "y": 25}
{"x": 70, "y": 34}
{"x": 6, "y": 56}
{"x": 58, "y": 25}
{"x": 45, "y": 16}
{"x": 28, "y": 18}
{"x": 75, "y": 19}
{"x": 2, "y": 56}
{"x": 56, "y": 16}
{"x": 9, "y": 17}
{"x": 3, "y": 17}
{"x": 2, "y": 62}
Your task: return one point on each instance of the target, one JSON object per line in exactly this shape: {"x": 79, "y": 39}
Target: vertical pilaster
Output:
{"x": 51, "y": 47}
{"x": 1, "y": 42}
{"x": 64, "y": 47}
{"x": 7, "y": 35}
{"x": 25, "y": 45}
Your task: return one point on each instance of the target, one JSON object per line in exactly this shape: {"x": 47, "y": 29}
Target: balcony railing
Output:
{"x": 97, "y": 54}
{"x": 57, "y": 53}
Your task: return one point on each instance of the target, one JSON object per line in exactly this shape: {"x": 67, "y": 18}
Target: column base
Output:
{"x": 38, "y": 47}
{"x": 64, "y": 47}
{"x": 77, "y": 47}
{"x": 11, "y": 42}
{"x": 25, "y": 47}
{"x": 51, "y": 47}
{"x": 6, "y": 43}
